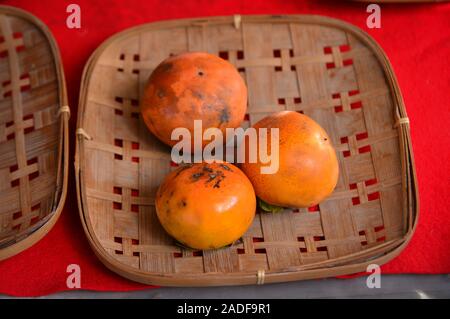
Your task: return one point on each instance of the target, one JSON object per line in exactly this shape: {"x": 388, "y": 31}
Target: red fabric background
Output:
{"x": 415, "y": 37}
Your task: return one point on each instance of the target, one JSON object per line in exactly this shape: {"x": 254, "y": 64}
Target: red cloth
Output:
{"x": 415, "y": 37}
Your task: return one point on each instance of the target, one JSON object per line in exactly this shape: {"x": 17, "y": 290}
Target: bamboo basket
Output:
{"x": 322, "y": 67}
{"x": 33, "y": 131}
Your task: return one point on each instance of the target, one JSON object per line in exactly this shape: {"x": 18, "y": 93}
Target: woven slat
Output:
{"x": 321, "y": 67}
{"x": 32, "y": 132}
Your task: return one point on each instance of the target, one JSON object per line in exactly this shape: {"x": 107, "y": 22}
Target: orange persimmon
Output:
{"x": 206, "y": 206}
{"x": 308, "y": 166}
{"x": 193, "y": 86}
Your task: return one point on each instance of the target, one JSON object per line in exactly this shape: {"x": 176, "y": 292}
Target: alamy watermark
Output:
{"x": 238, "y": 145}
{"x": 73, "y": 21}
{"x": 374, "y": 279}
{"x": 73, "y": 281}
{"x": 374, "y": 19}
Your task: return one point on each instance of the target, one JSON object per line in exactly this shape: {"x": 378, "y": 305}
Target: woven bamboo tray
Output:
{"x": 33, "y": 131}
{"x": 327, "y": 69}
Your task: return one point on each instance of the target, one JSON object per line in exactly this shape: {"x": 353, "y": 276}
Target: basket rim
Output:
{"x": 242, "y": 277}
{"x": 63, "y": 148}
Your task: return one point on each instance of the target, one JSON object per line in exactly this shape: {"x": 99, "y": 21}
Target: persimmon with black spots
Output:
{"x": 206, "y": 206}
{"x": 193, "y": 86}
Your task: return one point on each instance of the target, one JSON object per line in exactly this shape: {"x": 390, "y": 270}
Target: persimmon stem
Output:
{"x": 269, "y": 208}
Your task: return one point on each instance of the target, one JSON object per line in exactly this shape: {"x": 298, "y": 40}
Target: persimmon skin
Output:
{"x": 193, "y": 86}
{"x": 308, "y": 167}
{"x": 206, "y": 206}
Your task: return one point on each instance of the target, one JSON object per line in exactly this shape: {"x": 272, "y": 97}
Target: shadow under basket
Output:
{"x": 33, "y": 131}
{"x": 324, "y": 68}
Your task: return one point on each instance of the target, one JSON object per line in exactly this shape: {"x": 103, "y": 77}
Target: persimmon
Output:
{"x": 206, "y": 206}
{"x": 193, "y": 86}
{"x": 308, "y": 167}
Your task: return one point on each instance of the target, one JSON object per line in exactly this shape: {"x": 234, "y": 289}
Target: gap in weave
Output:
{"x": 338, "y": 109}
{"x": 33, "y": 176}
{"x": 17, "y": 215}
{"x": 30, "y": 128}
{"x": 117, "y": 190}
{"x": 19, "y": 35}
{"x": 373, "y": 196}
{"x": 356, "y": 105}
{"x": 302, "y": 240}
{"x": 344, "y": 48}
{"x": 223, "y": 55}
{"x": 13, "y": 168}
{"x": 258, "y": 239}
{"x": 327, "y": 50}
{"x": 34, "y": 220}
{"x": 118, "y": 142}
{"x": 135, "y": 146}
{"x": 15, "y": 183}
{"x": 381, "y": 239}
{"x": 364, "y": 149}
{"x": 372, "y": 181}
{"x": 347, "y": 62}
{"x": 361, "y": 136}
